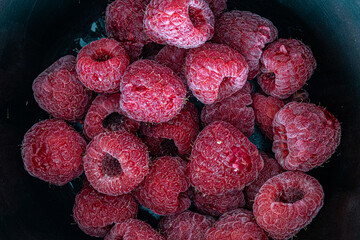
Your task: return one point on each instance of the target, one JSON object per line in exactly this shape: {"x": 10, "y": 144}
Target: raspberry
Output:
{"x": 182, "y": 129}
{"x": 217, "y": 6}
{"x": 151, "y": 92}
{"x": 235, "y": 109}
{"x": 271, "y": 168}
{"x": 58, "y": 90}
{"x": 237, "y": 224}
{"x": 286, "y": 203}
{"x": 105, "y": 114}
{"x": 163, "y": 190}
{"x": 305, "y": 136}
{"x": 180, "y": 23}
{"x": 215, "y": 72}
{"x": 247, "y": 33}
{"x": 124, "y": 22}
{"x": 95, "y": 213}
{"x": 116, "y": 162}
{"x": 52, "y": 151}
{"x": 265, "y": 108}
{"x": 133, "y": 229}
{"x": 185, "y": 226}
{"x": 286, "y": 65}
{"x": 215, "y": 205}
{"x": 101, "y": 64}
{"x": 223, "y": 159}
{"x": 172, "y": 57}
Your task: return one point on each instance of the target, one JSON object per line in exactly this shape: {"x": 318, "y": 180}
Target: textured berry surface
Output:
{"x": 105, "y": 115}
{"x": 286, "y": 203}
{"x": 58, "y": 90}
{"x": 163, "y": 190}
{"x": 238, "y": 224}
{"x": 181, "y": 23}
{"x": 182, "y": 129}
{"x": 101, "y": 64}
{"x": 247, "y": 33}
{"x": 265, "y": 108}
{"x": 95, "y": 213}
{"x": 271, "y": 168}
{"x": 52, "y": 151}
{"x": 133, "y": 229}
{"x": 124, "y": 22}
{"x": 172, "y": 57}
{"x": 151, "y": 92}
{"x": 215, "y": 72}
{"x": 235, "y": 109}
{"x": 285, "y": 67}
{"x": 116, "y": 162}
{"x": 185, "y": 226}
{"x": 305, "y": 136}
{"x": 217, "y": 6}
{"x": 215, "y": 205}
{"x": 223, "y": 160}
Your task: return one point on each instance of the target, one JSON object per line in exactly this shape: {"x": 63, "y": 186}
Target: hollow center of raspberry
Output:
{"x": 113, "y": 121}
{"x": 102, "y": 57}
{"x": 111, "y": 166}
{"x": 196, "y": 16}
{"x": 168, "y": 147}
{"x": 290, "y": 195}
{"x": 269, "y": 80}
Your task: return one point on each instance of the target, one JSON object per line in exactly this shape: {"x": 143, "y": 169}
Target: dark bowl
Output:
{"x": 33, "y": 34}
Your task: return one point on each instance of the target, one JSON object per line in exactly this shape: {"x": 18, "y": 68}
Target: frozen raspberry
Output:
{"x": 105, "y": 114}
{"x": 305, "y": 136}
{"x": 217, "y": 6}
{"x": 238, "y": 224}
{"x": 300, "y": 95}
{"x": 101, "y": 64}
{"x": 172, "y": 57}
{"x": 265, "y": 108}
{"x": 124, "y": 22}
{"x": 223, "y": 159}
{"x": 95, "y": 213}
{"x": 163, "y": 190}
{"x": 151, "y": 92}
{"x": 247, "y": 33}
{"x": 180, "y": 23}
{"x": 52, "y": 151}
{"x": 58, "y": 90}
{"x": 215, "y": 205}
{"x": 286, "y": 203}
{"x": 215, "y": 72}
{"x": 182, "y": 129}
{"x": 235, "y": 109}
{"x": 185, "y": 226}
{"x": 133, "y": 229}
{"x": 116, "y": 162}
{"x": 271, "y": 168}
{"x": 286, "y": 66}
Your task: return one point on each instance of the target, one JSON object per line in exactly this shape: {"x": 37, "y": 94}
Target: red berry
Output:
{"x": 124, "y": 22}
{"x": 105, "y": 115}
{"x": 172, "y": 57}
{"x": 163, "y": 190}
{"x": 265, "y": 109}
{"x": 101, "y": 64}
{"x": 286, "y": 203}
{"x": 286, "y": 65}
{"x": 235, "y": 109}
{"x": 52, "y": 151}
{"x": 185, "y": 226}
{"x": 116, "y": 162}
{"x": 215, "y": 205}
{"x": 151, "y": 92}
{"x": 271, "y": 168}
{"x": 215, "y": 72}
{"x": 217, "y": 6}
{"x": 247, "y": 33}
{"x": 238, "y": 224}
{"x": 133, "y": 229}
{"x": 58, "y": 90}
{"x": 180, "y": 23}
{"x": 223, "y": 160}
{"x": 305, "y": 136}
{"x": 95, "y": 213}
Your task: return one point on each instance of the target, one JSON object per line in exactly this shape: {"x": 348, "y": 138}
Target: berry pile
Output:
{"x": 170, "y": 132}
